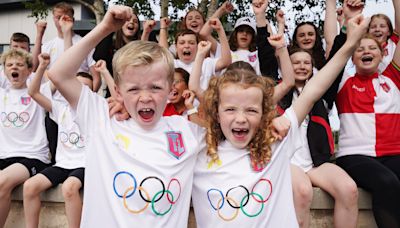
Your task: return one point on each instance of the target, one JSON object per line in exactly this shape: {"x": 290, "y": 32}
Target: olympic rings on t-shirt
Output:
{"x": 254, "y": 194}
{"x": 72, "y": 139}
{"x": 14, "y": 119}
{"x": 147, "y": 198}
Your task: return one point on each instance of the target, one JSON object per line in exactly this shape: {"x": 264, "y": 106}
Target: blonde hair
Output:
{"x": 141, "y": 53}
{"x": 260, "y": 145}
{"x": 17, "y": 53}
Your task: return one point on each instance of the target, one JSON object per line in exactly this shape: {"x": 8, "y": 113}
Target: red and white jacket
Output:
{"x": 369, "y": 112}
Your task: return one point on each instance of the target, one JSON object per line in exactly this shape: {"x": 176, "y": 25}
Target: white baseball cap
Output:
{"x": 246, "y": 21}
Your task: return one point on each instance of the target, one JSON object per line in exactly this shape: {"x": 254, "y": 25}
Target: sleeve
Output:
{"x": 393, "y": 72}
{"x": 293, "y": 139}
{"x": 266, "y": 54}
{"x": 330, "y": 94}
{"x": 56, "y": 108}
{"x": 200, "y": 134}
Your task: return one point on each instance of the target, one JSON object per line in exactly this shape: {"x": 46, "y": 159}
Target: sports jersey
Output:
{"x": 369, "y": 112}
{"x": 235, "y": 194}
{"x": 135, "y": 176}
{"x": 70, "y": 152}
{"x": 248, "y": 57}
{"x": 55, "y": 48}
{"x": 22, "y": 128}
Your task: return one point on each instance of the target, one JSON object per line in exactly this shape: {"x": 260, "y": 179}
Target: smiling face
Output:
{"x": 367, "y": 57}
{"x": 131, "y": 27}
{"x": 194, "y": 21}
{"x": 178, "y": 86}
{"x": 240, "y": 112}
{"x": 306, "y": 36}
{"x": 302, "y": 66}
{"x": 17, "y": 71}
{"x": 379, "y": 29}
{"x": 186, "y": 47}
{"x": 144, "y": 91}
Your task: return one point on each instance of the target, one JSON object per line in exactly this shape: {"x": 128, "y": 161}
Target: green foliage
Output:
{"x": 39, "y": 9}
{"x": 141, "y": 7}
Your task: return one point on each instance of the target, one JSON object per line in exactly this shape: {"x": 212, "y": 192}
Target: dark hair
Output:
{"x": 84, "y": 75}
{"x": 241, "y": 65}
{"x": 186, "y": 32}
{"x": 233, "y": 44}
{"x": 20, "y": 37}
{"x": 119, "y": 41}
{"x": 185, "y": 75}
{"x": 317, "y": 52}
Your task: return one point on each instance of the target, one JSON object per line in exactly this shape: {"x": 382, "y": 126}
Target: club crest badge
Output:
{"x": 25, "y": 100}
{"x": 176, "y": 146}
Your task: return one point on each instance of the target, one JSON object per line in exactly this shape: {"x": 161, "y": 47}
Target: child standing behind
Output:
{"x": 138, "y": 171}
{"x": 70, "y": 159}
{"x": 24, "y": 147}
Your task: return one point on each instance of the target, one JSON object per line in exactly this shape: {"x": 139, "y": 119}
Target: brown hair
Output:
{"x": 84, "y": 75}
{"x": 384, "y": 17}
{"x": 65, "y": 7}
{"x": 260, "y": 145}
{"x": 20, "y": 37}
{"x": 233, "y": 43}
{"x": 119, "y": 41}
{"x": 183, "y": 23}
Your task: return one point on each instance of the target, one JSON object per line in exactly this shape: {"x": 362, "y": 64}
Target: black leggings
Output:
{"x": 380, "y": 177}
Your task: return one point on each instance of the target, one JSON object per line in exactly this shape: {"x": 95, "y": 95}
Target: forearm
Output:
{"x": 330, "y": 24}
{"x": 266, "y": 54}
{"x": 36, "y": 51}
{"x": 110, "y": 83}
{"x": 163, "y": 42}
{"x": 225, "y": 58}
{"x": 96, "y": 79}
{"x": 34, "y": 89}
{"x": 194, "y": 79}
{"x": 287, "y": 82}
{"x": 396, "y": 6}
{"x": 145, "y": 36}
{"x": 67, "y": 40}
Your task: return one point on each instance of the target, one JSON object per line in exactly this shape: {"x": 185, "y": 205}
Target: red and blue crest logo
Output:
{"x": 25, "y": 100}
{"x": 176, "y": 146}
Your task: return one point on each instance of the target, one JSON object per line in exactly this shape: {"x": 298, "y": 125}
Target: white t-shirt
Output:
{"x": 55, "y": 48}
{"x": 22, "y": 128}
{"x": 122, "y": 156}
{"x": 70, "y": 144}
{"x": 265, "y": 195}
{"x": 207, "y": 70}
{"x": 247, "y": 56}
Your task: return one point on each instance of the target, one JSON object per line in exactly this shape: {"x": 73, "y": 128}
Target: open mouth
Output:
{"x": 367, "y": 59}
{"x": 14, "y": 74}
{"x": 186, "y": 53}
{"x": 240, "y": 132}
{"x": 130, "y": 27}
{"x": 146, "y": 114}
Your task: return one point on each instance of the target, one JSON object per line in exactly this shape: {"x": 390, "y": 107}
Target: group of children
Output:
{"x": 246, "y": 149}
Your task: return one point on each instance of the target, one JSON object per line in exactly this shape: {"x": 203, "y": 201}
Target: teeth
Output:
{"x": 146, "y": 110}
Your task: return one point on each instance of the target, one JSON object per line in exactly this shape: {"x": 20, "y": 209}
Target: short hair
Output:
{"x": 84, "y": 75}
{"x": 184, "y": 73}
{"x": 17, "y": 53}
{"x": 20, "y": 37}
{"x": 186, "y": 32}
{"x": 142, "y": 53}
{"x": 65, "y": 7}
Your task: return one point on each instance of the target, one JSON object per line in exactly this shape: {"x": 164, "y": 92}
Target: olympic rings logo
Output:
{"x": 149, "y": 198}
{"x": 72, "y": 139}
{"x": 14, "y": 119}
{"x": 259, "y": 195}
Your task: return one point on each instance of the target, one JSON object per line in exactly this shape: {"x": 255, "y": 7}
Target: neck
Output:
{"x": 180, "y": 107}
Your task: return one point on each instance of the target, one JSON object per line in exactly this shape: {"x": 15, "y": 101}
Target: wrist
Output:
{"x": 280, "y": 47}
{"x": 192, "y": 111}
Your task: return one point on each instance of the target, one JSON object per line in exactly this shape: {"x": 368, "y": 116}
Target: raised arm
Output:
{"x": 205, "y": 32}
{"x": 37, "y": 48}
{"x": 330, "y": 25}
{"x": 66, "y": 24}
{"x": 396, "y": 6}
{"x": 164, "y": 25}
{"x": 148, "y": 26}
{"x": 280, "y": 19}
{"x": 34, "y": 86}
{"x": 318, "y": 84}
{"x": 225, "y": 59}
{"x": 101, "y": 68}
{"x": 194, "y": 80}
{"x": 64, "y": 69}
{"x": 287, "y": 83}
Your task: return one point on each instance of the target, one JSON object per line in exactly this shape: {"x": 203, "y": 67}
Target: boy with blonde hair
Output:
{"x": 138, "y": 171}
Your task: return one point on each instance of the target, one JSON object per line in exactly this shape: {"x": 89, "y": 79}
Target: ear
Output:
{"x": 119, "y": 97}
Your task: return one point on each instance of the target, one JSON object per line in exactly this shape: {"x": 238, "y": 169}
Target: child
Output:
{"x": 24, "y": 147}
{"x": 177, "y": 102}
{"x": 69, "y": 167}
{"x": 138, "y": 171}
{"x": 244, "y": 179}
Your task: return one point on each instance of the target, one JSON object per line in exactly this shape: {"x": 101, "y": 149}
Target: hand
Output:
{"x": 215, "y": 24}
{"x": 203, "y": 48}
{"x": 116, "y": 17}
{"x": 340, "y": 16}
{"x": 189, "y": 98}
{"x": 226, "y": 8}
{"x": 356, "y": 28}
{"x": 277, "y": 41}
{"x": 165, "y": 22}
{"x": 118, "y": 109}
{"x": 259, "y": 6}
{"x": 352, "y": 8}
{"x": 66, "y": 23}
{"x": 280, "y": 127}
{"x": 41, "y": 27}
{"x": 44, "y": 60}
{"x": 100, "y": 66}
{"x": 148, "y": 26}
{"x": 280, "y": 17}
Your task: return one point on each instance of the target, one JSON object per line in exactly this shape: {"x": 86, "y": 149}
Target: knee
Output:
{"x": 70, "y": 189}
{"x": 5, "y": 187}
{"x": 303, "y": 194}
{"x": 348, "y": 192}
{"x": 30, "y": 189}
